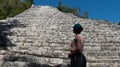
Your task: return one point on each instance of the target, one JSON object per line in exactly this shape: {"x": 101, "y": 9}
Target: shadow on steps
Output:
{"x": 5, "y": 28}
{"x": 45, "y": 65}
{"x": 24, "y": 60}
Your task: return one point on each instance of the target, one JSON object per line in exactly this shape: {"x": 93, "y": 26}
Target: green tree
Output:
{"x": 68, "y": 9}
{"x": 106, "y": 20}
{"x": 59, "y": 5}
{"x": 9, "y": 8}
{"x": 76, "y": 12}
{"x": 118, "y": 23}
{"x": 85, "y": 15}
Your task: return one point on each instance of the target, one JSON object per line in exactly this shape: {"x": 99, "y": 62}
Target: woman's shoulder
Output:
{"x": 79, "y": 36}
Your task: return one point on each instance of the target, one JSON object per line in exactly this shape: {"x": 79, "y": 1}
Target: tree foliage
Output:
{"x": 75, "y": 11}
{"x": 9, "y": 8}
{"x": 118, "y": 23}
{"x": 85, "y": 15}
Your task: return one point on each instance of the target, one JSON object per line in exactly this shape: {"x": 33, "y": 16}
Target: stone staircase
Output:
{"x": 42, "y": 35}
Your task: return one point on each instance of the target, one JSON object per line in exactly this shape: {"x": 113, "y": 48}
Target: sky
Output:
{"x": 100, "y": 9}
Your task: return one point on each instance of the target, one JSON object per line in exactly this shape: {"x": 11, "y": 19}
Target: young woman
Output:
{"x": 77, "y": 45}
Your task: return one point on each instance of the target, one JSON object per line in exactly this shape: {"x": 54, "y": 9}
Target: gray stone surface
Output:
{"x": 42, "y": 35}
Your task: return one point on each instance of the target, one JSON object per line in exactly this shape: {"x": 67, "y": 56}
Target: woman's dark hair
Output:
{"x": 77, "y": 28}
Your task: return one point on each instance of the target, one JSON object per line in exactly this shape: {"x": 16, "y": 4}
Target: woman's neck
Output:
{"x": 78, "y": 34}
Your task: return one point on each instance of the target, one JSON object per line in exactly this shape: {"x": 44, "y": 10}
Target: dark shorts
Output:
{"x": 78, "y": 60}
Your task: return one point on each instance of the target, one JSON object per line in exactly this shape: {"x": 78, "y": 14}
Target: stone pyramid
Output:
{"x": 41, "y": 37}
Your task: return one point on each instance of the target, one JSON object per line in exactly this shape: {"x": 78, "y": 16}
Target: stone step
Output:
{"x": 102, "y": 48}
{"x": 90, "y": 48}
{"x": 102, "y": 57}
{"x": 60, "y": 53}
{"x": 46, "y": 51}
{"x": 110, "y": 45}
{"x": 14, "y": 57}
{"x": 103, "y": 65}
{"x": 13, "y": 64}
{"x": 101, "y": 45}
{"x": 110, "y": 48}
{"x": 102, "y": 53}
{"x": 104, "y": 60}
{"x": 97, "y": 40}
